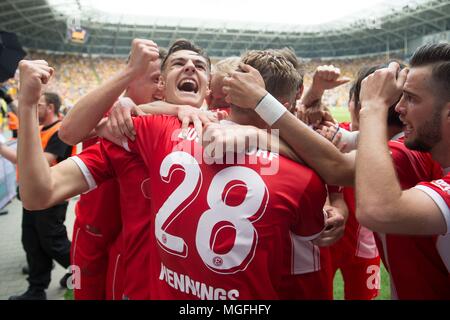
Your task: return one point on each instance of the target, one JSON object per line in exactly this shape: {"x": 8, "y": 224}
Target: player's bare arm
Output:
{"x": 219, "y": 139}
{"x": 89, "y": 110}
{"x": 244, "y": 90}
{"x": 120, "y": 123}
{"x": 310, "y": 109}
{"x": 40, "y": 185}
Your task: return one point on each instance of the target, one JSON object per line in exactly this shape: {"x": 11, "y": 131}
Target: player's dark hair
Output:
{"x": 183, "y": 44}
{"x": 393, "y": 116}
{"x": 436, "y": 55}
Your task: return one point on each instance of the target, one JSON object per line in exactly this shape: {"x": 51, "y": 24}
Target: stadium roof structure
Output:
{"x": 42, "y": 24}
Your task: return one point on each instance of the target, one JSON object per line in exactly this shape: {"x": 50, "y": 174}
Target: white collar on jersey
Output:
{"x": 398, "y": 136}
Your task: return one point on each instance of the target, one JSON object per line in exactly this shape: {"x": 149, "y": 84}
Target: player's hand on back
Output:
{"x": 244, "y": 88}
{"x": 34, "y": 74}
{"x": 199, "y": 118}
{"x": 331, "y": 132}
{"x": 334, "y": 228}
{"x": 120, "y": 123}
{"x": 217, "y": 139}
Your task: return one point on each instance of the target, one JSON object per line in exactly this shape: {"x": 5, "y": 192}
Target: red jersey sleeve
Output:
{"x": 311, "y": 217}
{"x": 439, "y": 191}
{"x": 346, "y": 125}
{"x": 95, "y": 165}
{"x": 412, "y": 167}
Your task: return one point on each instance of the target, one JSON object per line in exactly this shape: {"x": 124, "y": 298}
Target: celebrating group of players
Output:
{"x": 252, "y": 203}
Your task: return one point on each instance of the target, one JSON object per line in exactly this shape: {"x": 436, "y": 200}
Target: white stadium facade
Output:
{"x": 400, "y": 27}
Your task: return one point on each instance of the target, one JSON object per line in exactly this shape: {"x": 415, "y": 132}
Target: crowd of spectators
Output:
{"x": 77, "y": 75}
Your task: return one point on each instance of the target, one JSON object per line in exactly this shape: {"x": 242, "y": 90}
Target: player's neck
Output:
{"x": 441, "y": 153}
{"x": 247, "y": 118}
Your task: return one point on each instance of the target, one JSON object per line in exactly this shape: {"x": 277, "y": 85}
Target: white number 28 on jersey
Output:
{"x": 246, "y": 236}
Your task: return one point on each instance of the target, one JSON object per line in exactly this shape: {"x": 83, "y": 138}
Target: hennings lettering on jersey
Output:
{"x": 185, "y": 284}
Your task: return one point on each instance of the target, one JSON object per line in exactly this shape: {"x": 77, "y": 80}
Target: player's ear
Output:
{"x": 208, "y": 86}
{"x": 208, "y": 90}
{"x": 299, "y": 92}
{"x": 161, "y": 84}
{"x": 208, "y": 99}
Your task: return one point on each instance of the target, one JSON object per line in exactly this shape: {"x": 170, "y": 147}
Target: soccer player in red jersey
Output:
{"x": 424, "y": 108}
{"x": 135, "y": 225}
{"x": 98, "y": 221}
{"x": 355, "y": 254}
{"x": 382, "y": 206}
{"x": 411, "y": 168}
{"x": 240, "y": 238}
{"x": 212, "y": 222}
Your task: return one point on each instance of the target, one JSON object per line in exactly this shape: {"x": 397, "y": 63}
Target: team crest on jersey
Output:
{"x": 441, "y": 184}
{"x": 217, "y": 261}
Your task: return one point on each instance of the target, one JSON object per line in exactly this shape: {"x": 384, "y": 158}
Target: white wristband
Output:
{"x": 350, "y": 138}
{"x": 270, "y": 109}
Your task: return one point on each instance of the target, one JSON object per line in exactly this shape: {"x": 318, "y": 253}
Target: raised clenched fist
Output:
{"x": 143, "y": 51}
{"x": 327, "y": 77}
{"x": 382, "y": 88}
{"x": 33, "y": 75}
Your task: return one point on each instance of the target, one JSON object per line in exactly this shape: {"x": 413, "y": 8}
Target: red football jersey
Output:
{"x": 416, "y": 266}
{"x": 227, "y": 231}
{"x": 358, "y": 241}
{"x": 99, "y": 209}
{"x": 356, "y": 253}
{"x": 104, "y": 162}
{"x": 97, "y": 225}
{"x": 439, "y": 191}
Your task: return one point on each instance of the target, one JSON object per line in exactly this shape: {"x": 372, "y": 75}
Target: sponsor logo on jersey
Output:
{"x": 441, "y": 184}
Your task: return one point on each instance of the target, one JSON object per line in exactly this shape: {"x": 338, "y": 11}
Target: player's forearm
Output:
{"x": 159, "y": 107}
{"x": 312, "y": 96}
{"x": 275, "y": 144}
{"x": 34, "y": 171}
{"x": 377, "y": 187}
{"x": 8, "y": 153}
{"x": 320, "y": 154}
{"x": 90, "y": 109}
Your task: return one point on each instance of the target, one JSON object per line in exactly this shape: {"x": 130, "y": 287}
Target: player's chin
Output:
{"x": 189, "y": 98}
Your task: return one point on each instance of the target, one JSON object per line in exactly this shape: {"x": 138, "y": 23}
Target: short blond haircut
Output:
{"x": 290, "y": 55}
{"x": 225, "y": 66}
{"x": 282, "y": 80}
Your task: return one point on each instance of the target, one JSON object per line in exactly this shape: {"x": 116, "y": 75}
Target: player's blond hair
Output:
{"x": 225, "y": 66}
{"x": 280, "y": 77}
